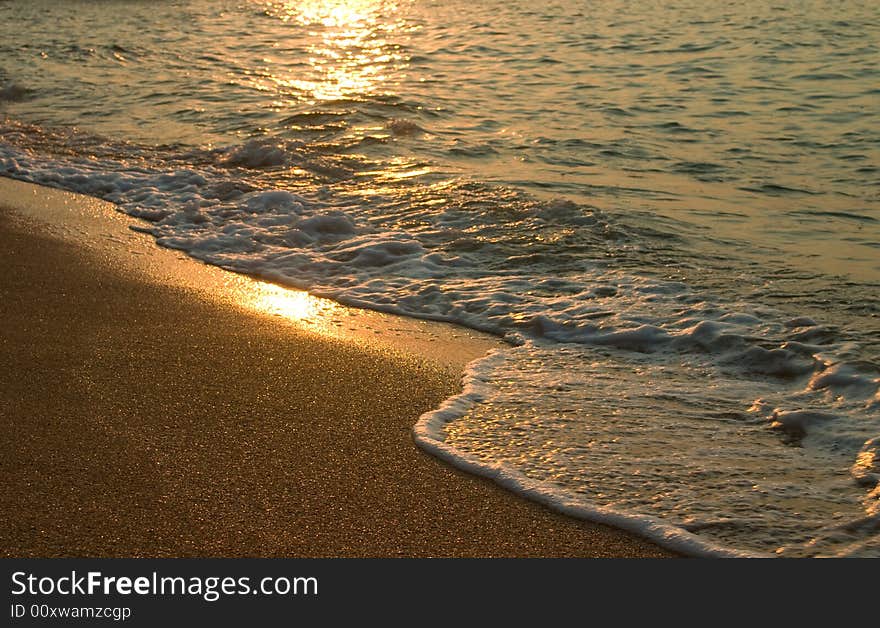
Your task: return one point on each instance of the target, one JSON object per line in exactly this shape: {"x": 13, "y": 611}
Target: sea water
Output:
{"x": 670, "y": 211}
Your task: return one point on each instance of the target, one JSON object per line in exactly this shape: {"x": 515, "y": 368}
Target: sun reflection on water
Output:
{"x": 352, "y": 47}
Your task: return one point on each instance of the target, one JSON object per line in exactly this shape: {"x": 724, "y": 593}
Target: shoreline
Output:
{"x": 156, "y": 406}
{"x": 99, "y": 228}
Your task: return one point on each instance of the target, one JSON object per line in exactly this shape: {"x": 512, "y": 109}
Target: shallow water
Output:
{"x": 670, "y": 211}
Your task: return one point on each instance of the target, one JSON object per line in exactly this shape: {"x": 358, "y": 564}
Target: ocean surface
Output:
{"x": 671, "y": 212}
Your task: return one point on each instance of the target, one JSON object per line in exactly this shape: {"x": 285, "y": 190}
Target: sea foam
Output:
{"x": 624, "y": 398}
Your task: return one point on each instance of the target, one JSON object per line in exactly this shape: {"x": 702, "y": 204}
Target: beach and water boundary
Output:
{"x": 669, "y": 219}
{"x": 126, "y": 438}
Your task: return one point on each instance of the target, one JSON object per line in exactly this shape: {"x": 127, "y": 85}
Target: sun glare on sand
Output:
{"x": 294, "y": 305}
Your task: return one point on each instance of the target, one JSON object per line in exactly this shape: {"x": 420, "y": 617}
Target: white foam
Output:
{"x": 429, "y": 434}
{"x": 496, "y": 265}
{"x": 622, "y": 438}
{"x": 797, "y": 422}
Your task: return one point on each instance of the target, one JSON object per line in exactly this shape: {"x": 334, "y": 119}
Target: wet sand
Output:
{"x": 142, "y": 418}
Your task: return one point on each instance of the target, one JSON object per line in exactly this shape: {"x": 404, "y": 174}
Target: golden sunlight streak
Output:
{"x": 295, "y": 305}
{"x": 352, "y": 50}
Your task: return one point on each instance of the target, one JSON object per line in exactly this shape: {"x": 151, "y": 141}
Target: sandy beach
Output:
{"x": 148, "y": 417}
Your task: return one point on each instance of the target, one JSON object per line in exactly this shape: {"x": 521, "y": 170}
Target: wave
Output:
{"x": 546, "y": 275}
{"x": 429, "y": 435}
